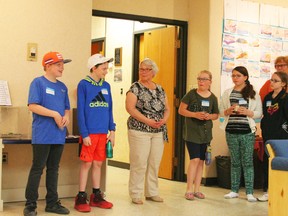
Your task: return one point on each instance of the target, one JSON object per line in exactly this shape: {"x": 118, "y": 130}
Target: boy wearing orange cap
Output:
{"x": 48, "y": 101}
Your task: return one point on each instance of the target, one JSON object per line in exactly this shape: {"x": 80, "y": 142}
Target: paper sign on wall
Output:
{"x": 5, "y": 99}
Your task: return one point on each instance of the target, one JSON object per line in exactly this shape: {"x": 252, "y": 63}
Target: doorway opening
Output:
{"x": 179, "y": 88}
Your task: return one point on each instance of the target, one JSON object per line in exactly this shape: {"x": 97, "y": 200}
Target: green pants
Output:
{"x": 241, "y": 148}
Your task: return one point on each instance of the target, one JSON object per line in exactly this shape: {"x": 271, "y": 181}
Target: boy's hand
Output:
{"x": 65, "y": 120}
{"x": 111, "y": 137}
{"x": 87, "y": 141}
{"x": 58, "y": 119}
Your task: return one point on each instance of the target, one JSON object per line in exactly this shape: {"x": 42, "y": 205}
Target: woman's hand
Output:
{"x": 161, "y": 122}
{"x": 154, "y": 124}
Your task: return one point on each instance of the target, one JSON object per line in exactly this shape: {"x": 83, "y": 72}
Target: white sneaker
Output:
{"x": 263, "y": 198}
{"x": 231, "y": 195}
{"x": 251, "y": 198}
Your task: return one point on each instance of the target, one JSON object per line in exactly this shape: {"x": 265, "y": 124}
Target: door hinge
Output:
{"x": 177, "y": 44}
{"x": 177, "y": 102}
{"x": 175, "y": 161}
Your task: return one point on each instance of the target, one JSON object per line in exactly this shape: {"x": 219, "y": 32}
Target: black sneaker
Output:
{"x": 57, "y": 208}
{"x": 30, "y": 210}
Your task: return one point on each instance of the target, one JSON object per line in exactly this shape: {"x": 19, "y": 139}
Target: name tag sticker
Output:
{"x": 205, "y": 103}
{"x": 104, "y": 91}
{"x": 50, "y": 91}
{"x": 242, "y": 102}
{"x": 268, "y": 103}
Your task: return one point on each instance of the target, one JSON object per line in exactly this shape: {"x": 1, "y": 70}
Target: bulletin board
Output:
{"x": 253, "y": 36}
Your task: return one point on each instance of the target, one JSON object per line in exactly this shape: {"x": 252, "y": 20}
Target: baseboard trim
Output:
{"x": 18, "y": 194}
{"x": 119, "y": 164}
{"x": 209, "y": 181}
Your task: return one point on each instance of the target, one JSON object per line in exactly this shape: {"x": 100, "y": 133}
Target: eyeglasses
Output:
{"x": 203, "y": 79}
{"x": 280, "y": 65}
{"x": 238, "y": 76}
{"x": 145, "y": 69}
{"x": 275, "y": 81}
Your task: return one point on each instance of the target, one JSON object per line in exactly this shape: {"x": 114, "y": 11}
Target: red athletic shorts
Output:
{"x": 97, "y": 149}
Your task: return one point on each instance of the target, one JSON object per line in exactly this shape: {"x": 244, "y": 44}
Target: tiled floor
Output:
{"x": 174, "y": 202}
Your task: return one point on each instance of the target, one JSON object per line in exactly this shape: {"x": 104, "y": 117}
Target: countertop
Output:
{"x": 69, "y": 140}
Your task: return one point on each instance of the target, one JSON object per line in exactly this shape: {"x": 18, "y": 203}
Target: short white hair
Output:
{"x": 150, "y": 62}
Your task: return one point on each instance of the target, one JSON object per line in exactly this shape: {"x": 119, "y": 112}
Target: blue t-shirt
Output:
{"x": 53, "y": 96}
{"x": 94, "y": 107}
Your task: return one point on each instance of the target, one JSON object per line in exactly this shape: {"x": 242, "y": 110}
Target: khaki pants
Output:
{"x": 146, "y": 151}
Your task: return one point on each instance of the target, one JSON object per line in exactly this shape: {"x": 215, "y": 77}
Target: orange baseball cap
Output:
{"x": 53, "y": 57}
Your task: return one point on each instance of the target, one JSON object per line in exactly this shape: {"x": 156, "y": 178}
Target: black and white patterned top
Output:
{"x": 238, "y": 124}
{"x": 151, "y": 103}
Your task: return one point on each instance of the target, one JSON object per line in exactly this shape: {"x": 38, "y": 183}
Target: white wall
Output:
{"x": 63, "y": 26}
{"x": 120, "y": 34}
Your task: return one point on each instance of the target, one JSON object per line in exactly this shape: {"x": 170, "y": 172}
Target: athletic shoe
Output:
{"x": 251, "y": 198}
{"x": 263, "y": 198}
{"x": 97, "y": 200}
{"x": 81, "y": 203}
{"x": 30, "y": 210}
{"x": 231, "y": 195}
{"x": 57, "y": 208}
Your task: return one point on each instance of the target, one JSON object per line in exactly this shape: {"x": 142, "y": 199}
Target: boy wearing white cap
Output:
{"x": 48, "y": 101}
{"x": 95, "y": 121}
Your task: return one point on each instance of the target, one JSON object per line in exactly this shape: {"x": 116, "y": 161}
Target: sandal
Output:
{"x": 137, "y": 201}
{"x": 199, "y": 195}
{"x": 189, "y": 196}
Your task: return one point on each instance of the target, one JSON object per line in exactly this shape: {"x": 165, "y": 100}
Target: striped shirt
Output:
{"x": 238, "y": 124}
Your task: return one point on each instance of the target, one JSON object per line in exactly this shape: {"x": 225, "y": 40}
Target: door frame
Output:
{"x": 181, "y": 78}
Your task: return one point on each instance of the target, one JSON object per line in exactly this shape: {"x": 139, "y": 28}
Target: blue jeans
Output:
{"x": 49, "y": 156}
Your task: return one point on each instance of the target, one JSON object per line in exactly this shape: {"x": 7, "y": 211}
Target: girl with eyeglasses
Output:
{"x": 274, "y": 124}
{"x": 199, "y": 107}
{"x": 239, "y": 106}
{"x": 281, "y": 64}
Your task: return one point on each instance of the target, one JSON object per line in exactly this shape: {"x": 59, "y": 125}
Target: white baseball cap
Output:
{"x": 97, "y": 59}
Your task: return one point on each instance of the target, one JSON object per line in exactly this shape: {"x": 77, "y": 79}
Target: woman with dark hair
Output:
{"x": 239, "y": 106}
{"x": 274, "y": 124}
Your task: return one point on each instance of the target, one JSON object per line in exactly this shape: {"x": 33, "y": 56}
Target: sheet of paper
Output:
{"x": 5, "y": 99}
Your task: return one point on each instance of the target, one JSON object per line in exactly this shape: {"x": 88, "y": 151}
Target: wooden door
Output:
{"x": 160, "y": 46}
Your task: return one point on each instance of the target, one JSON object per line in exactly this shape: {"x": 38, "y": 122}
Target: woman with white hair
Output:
{"x": 147, "y": 104}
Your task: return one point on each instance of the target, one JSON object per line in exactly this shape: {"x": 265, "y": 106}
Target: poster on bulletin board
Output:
{"x": 5, "y": 99}
{"x": 253, "y": 41}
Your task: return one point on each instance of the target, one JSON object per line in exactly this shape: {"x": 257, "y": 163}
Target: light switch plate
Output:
{"x": 32, "y": 51}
